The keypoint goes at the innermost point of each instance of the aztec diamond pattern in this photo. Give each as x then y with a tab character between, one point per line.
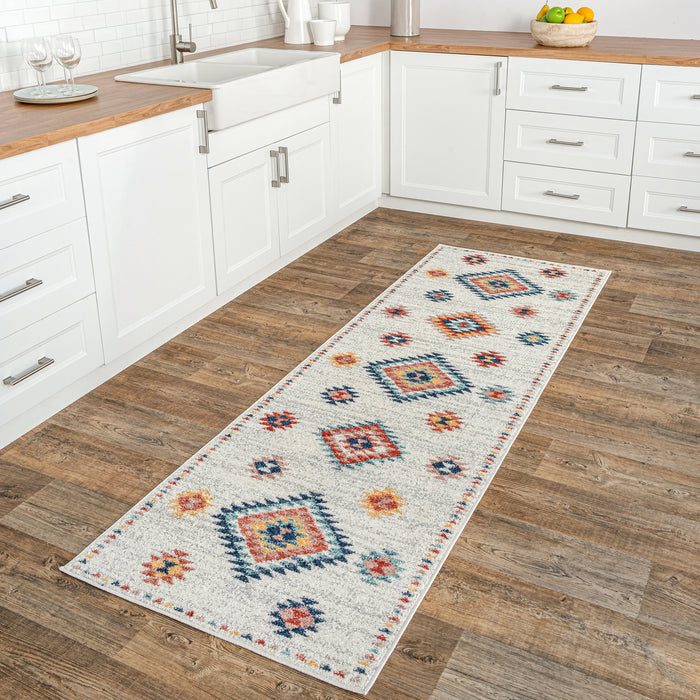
309	530
497	285
280	536
418	377
348	445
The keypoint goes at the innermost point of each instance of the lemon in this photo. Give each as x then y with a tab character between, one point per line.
542	12
568	11
573	18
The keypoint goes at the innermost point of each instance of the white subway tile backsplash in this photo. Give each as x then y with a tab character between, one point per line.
119	33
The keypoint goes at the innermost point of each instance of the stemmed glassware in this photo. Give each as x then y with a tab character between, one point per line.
66	50
37	53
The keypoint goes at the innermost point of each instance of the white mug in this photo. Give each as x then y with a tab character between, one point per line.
340	12
323	31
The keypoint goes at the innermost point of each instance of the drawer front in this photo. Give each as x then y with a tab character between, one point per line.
667	150
43	275
672	206
585	143
670	94
597	198
70	337
39	191
582	88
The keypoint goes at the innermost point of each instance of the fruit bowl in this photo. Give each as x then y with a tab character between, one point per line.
563	35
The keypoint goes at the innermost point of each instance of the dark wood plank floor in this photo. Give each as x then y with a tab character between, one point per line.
577	577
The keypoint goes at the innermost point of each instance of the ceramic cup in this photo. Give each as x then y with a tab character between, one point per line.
340	12
323	31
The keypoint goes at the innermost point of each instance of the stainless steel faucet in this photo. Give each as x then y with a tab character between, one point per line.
178	47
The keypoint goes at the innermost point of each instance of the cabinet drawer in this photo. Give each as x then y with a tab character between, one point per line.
43	275
667	150
40	190
670	94
597	198
582	88
70	337
586	143
672	206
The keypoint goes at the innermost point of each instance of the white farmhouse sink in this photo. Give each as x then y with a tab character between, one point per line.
250	83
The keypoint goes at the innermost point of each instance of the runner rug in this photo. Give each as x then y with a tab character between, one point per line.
310	529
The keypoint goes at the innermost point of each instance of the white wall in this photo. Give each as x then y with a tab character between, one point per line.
117	33
668	19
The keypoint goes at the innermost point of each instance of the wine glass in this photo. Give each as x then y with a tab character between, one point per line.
66	50
37	53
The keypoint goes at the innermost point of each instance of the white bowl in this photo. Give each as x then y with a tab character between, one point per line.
340	12
563	35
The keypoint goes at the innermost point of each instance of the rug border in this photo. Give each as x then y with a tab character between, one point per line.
577	318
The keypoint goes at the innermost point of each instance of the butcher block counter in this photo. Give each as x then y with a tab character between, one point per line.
26	127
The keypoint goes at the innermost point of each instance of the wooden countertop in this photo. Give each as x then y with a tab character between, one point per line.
28	127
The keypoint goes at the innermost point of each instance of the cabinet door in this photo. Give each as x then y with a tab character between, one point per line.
304	199
244	217
356	125
447	127
147	204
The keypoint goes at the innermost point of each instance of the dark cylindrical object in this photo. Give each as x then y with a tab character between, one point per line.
405	17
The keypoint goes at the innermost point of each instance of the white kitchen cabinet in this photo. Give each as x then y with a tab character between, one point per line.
670	94
268	202
671	206
147	204
356	136
304	194
447	120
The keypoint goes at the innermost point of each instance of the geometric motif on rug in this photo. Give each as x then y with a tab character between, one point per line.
494	285
463	325
280	536
348	445
294	617
418	377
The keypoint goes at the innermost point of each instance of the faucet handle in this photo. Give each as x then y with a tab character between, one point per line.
190	32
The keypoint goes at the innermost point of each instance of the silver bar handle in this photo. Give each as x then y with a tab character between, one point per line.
552	193
202	114
338	100
275	155
497	89
29	284
688	210
285	152
42	363
583	88
695	97
565	143
15	199
691	154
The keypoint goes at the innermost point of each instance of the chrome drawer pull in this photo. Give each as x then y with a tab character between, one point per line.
497	89
285	152
275	155
695	97
202	114
688	210
583	88
690	154
565	143
15	199
552	193
29	284
41	364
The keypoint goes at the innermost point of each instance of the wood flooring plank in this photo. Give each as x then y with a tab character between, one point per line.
31	585
671	600
604	645
65	515
485	668
17	484
675	309
673	356
648	533
634	483
577	568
